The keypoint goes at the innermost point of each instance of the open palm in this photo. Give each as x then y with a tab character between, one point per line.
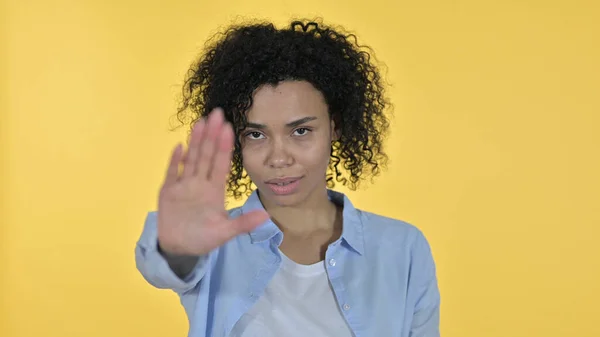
192	219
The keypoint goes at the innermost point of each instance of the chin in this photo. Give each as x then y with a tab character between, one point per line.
287	200
281	200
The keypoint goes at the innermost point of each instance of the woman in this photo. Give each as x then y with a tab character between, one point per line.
292	111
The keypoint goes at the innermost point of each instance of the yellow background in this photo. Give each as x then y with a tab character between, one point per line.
495	154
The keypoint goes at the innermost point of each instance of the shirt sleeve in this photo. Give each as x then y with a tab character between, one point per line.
155	268
426	318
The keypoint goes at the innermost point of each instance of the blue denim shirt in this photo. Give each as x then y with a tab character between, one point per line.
381	270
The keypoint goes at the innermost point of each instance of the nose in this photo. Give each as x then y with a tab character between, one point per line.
279	155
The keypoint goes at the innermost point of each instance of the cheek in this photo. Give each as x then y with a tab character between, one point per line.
251	160
317	154
309	152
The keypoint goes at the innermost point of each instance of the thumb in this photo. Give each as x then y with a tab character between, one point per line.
249	221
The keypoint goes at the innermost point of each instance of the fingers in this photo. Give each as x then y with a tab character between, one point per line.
173	169
222	157
208	145
205	141
191	157
249	221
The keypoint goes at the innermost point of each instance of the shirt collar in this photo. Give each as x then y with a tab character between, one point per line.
352	230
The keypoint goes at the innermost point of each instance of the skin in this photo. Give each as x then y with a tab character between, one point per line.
289	135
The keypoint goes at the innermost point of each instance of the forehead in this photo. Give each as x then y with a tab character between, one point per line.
286	101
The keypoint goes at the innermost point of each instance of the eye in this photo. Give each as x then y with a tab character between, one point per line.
301	131
254	135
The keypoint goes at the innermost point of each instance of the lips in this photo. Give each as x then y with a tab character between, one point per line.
284	186
282	181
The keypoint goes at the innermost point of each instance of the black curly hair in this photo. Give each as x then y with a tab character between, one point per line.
244	57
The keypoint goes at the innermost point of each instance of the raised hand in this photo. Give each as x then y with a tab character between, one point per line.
192	220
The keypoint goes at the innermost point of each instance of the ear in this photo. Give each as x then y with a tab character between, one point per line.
335	133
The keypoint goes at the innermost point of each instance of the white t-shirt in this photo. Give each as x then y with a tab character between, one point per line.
298	302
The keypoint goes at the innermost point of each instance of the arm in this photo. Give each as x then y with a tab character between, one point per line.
181	265
178	273
426	318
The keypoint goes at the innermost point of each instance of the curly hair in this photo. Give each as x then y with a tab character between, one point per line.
244	57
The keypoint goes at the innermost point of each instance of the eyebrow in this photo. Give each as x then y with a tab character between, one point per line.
289	125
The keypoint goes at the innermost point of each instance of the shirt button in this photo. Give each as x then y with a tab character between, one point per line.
346	306
332	262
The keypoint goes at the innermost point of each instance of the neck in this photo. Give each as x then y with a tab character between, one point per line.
316	213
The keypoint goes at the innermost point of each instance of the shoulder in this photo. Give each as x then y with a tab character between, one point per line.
382	225
389	233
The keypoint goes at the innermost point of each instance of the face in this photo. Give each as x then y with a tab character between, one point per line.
287	143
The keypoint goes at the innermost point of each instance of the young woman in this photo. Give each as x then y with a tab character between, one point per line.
292	111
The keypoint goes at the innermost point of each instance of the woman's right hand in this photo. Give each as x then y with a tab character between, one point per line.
192	220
